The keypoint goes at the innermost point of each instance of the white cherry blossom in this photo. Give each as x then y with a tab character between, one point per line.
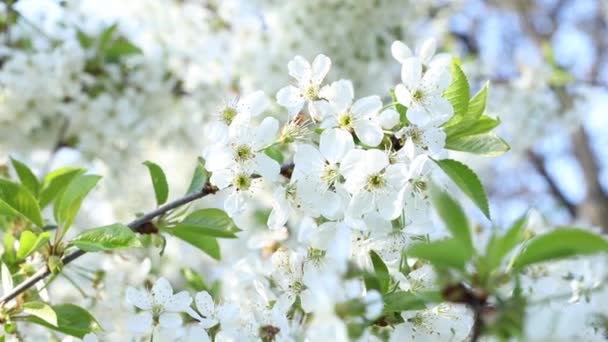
159	307
421	93
309	78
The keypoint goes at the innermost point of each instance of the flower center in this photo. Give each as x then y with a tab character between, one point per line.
330	174
345	120
418	95
310	93
243	153
227	115
375	181
241	182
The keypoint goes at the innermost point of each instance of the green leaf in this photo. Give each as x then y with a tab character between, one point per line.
107	238
55	182
199	178
26	176
30	243
480	125
450	253
467	181
119	48
498	247
454	218
84	40
194	279
558	244
71	320
205	243
488	144
68	204
106	37
477	104
207	222
400	301
275	153
457	93
42	311
381	271
17	199
159	182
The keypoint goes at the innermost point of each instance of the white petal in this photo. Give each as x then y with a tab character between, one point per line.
197	334
418	116
267	167
140	323
340	94
290	98
427	50
299	68
411	72
162	291
441	106
221	178
323	236
330	205
335	143
403	95
400	51
179	302
320	67
366	107
90	337
254	103
390	205
434	139
319	110
369	131
204	303
170	320
389	118
308	159
349	165
139	298
375	161
266	133
361	203
234	203
280	210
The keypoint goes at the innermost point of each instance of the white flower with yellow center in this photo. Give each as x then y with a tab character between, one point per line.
309	78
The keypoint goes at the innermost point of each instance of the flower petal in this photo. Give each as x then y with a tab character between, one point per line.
170	320
335	143
179	302
254	103
427	50
139	298
267	167
290	98
140	323
308	159
400	51
369	131
320	67
162	291
366	107
204	303
411	72
299	68
266	132
418	116
389	118
403	95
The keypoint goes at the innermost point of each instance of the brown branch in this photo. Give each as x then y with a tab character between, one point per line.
539	165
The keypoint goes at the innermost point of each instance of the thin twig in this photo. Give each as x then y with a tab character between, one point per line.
539	165
45	271
207	189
